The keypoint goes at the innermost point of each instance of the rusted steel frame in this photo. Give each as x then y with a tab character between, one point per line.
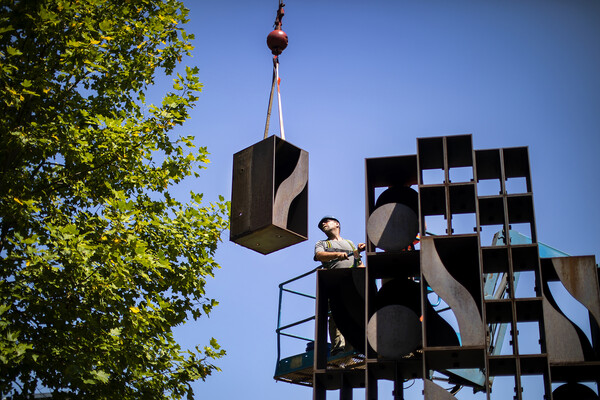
511	279
345	389
320	352
370	377
454	294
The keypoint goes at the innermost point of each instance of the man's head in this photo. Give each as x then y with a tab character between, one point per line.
328	222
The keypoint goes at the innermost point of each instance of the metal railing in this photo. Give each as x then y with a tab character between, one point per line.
281	329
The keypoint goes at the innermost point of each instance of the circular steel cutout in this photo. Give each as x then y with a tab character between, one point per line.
394	331
393	227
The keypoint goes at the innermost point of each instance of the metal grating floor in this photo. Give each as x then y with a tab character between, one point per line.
298	369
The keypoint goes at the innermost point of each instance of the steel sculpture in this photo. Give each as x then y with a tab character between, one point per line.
476	280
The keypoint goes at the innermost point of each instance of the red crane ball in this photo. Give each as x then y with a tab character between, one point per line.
277	41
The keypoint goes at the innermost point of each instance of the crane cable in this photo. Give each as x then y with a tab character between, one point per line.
276	80
277	41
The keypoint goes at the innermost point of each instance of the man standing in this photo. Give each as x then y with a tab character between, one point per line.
334	253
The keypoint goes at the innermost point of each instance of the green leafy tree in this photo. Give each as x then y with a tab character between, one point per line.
98	261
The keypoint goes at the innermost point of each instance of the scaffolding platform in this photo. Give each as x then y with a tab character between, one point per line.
298	369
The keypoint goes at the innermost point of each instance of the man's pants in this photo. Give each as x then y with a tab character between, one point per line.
338	342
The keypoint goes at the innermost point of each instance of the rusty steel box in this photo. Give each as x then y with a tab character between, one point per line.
269	200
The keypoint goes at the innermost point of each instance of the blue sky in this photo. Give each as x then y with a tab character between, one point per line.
364	79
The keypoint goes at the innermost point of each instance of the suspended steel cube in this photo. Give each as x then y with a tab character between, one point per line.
269	200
